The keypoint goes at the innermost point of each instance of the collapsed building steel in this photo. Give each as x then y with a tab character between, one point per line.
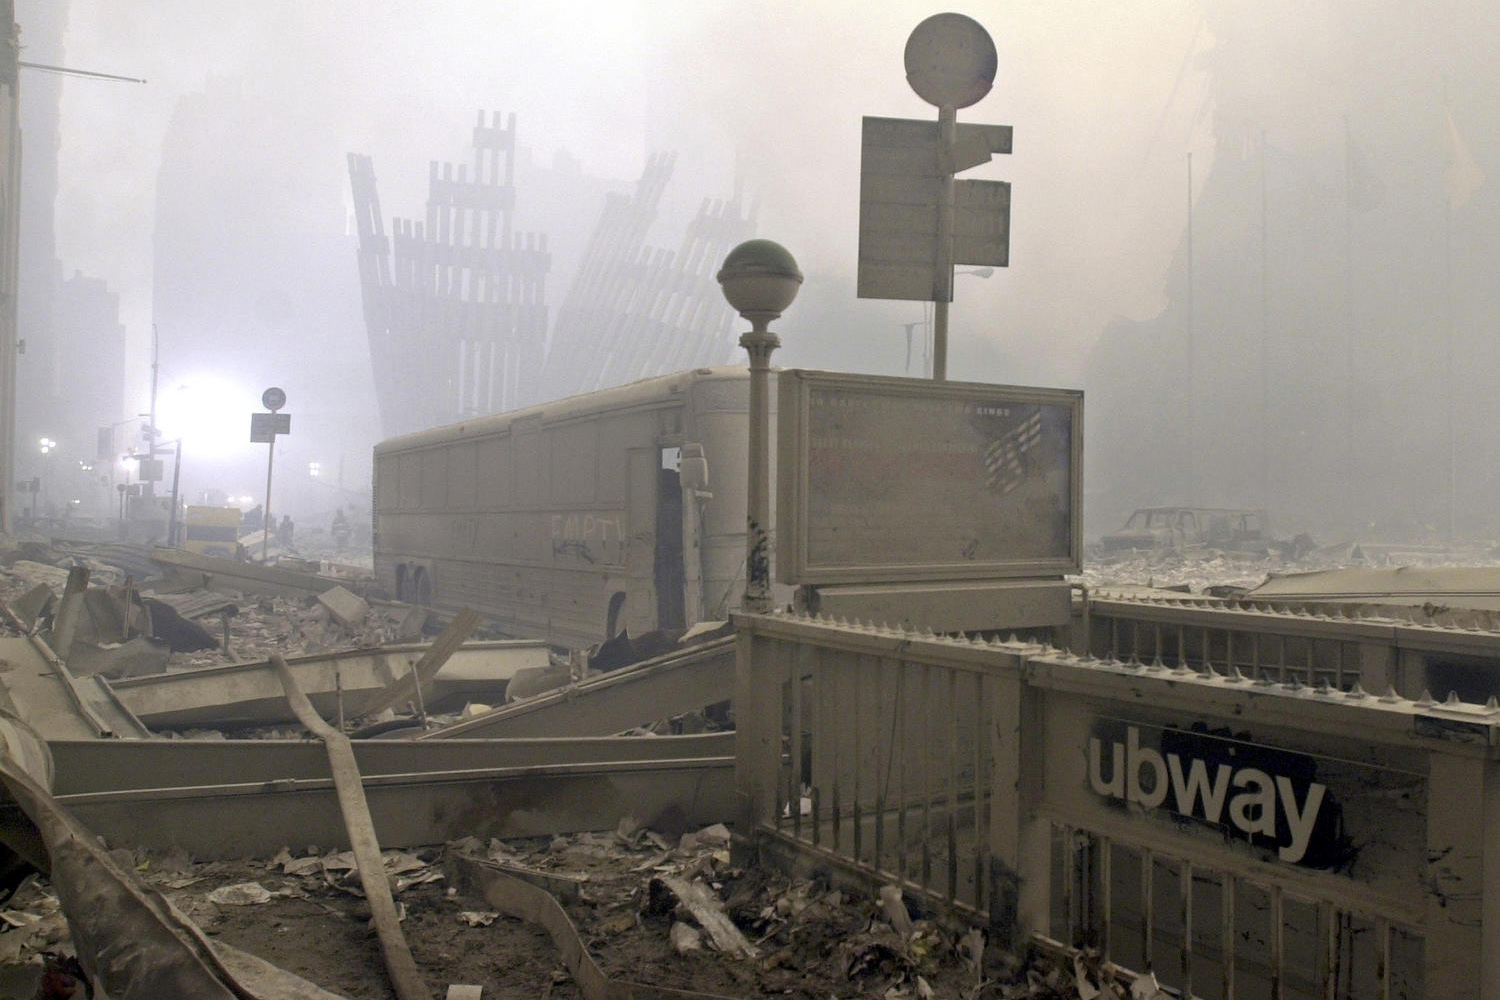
461	287
456	308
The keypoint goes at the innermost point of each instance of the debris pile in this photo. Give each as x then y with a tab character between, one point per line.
679	914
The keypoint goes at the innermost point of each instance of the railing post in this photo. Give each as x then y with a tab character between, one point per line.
1457	811
1020	872
757	715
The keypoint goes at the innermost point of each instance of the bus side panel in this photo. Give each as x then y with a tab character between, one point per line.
638	582
549	523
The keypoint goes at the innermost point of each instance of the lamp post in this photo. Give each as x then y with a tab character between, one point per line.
760	279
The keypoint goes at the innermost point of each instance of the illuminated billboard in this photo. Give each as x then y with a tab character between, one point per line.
893	480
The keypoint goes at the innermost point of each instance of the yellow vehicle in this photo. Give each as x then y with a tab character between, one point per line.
212	531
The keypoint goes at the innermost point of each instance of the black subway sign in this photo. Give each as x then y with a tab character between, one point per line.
1270	797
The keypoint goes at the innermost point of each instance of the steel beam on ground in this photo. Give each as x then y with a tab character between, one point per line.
247	694
655	689
267	796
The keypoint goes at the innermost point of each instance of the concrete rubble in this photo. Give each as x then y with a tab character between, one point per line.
592	914
810	938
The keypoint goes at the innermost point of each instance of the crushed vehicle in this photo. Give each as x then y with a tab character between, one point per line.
1232	529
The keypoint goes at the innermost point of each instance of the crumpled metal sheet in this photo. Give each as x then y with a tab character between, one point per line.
129	938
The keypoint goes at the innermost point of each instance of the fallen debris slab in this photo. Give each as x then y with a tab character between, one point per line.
128	938
679	682
32	605
672	891
523	901
411	685
56	704
351	790
247	694
222	799
349	610
206	571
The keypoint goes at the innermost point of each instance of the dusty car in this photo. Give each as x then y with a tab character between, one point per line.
1231	529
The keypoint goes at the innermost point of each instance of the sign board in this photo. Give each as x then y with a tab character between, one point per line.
151	470
889	480
1301	798
903	167
981	223
265	426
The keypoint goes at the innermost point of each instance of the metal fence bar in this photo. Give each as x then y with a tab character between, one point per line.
858	738
1278	972
794	789
954	759
1148	907
1383	958
926	776
835	676
1330	919
1106	893
883	739
1069	935
779	650
903	668
823	724
979	743
1227	938
1185	881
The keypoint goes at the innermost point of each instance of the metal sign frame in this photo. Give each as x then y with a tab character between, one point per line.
915	480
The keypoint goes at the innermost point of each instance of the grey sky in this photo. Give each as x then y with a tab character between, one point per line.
1104	99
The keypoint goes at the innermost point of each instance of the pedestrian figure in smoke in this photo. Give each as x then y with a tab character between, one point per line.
284	533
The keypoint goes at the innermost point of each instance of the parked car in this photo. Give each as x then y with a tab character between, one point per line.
1231	529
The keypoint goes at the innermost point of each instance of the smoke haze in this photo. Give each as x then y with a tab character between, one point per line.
250	108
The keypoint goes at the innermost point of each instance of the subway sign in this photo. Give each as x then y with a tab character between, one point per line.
1289	806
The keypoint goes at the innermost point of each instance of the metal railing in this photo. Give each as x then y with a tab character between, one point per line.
882	759
1216	935
887	764
955	767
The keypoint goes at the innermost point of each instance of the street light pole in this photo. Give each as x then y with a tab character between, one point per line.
760	279
172	539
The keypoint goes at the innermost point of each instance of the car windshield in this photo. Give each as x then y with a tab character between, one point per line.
1150	519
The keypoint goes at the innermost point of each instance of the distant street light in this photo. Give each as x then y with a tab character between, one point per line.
760	279
926	325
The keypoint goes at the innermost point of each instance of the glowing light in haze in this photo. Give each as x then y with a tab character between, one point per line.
209	413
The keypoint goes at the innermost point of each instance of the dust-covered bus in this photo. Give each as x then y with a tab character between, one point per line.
572	520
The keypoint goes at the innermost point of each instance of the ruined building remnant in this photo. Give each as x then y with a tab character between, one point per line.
455	305
633	311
